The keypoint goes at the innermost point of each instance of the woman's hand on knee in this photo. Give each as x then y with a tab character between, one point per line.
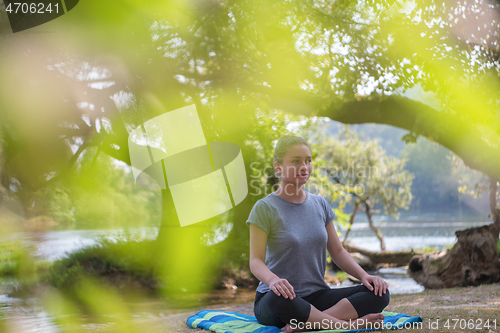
375	284
282	287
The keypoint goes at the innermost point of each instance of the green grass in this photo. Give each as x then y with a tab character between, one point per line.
131	259
127	261
16	262
10	255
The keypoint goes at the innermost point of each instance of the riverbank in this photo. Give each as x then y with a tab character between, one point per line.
127	264
456	306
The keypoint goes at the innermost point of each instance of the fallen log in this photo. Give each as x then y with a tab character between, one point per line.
400	258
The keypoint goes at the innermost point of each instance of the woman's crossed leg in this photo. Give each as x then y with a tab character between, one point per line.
353	307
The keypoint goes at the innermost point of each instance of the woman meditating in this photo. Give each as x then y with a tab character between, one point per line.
290	231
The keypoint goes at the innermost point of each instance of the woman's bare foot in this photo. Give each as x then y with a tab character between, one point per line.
288	328
371	320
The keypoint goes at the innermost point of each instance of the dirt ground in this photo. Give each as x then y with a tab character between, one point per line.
446	310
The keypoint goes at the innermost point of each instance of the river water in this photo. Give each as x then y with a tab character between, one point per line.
29	315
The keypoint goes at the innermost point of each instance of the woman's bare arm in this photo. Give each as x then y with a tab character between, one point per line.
258	242
346	262
340	256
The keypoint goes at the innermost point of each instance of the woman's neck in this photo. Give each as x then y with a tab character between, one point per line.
291	192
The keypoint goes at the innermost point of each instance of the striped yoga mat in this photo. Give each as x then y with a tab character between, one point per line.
233	322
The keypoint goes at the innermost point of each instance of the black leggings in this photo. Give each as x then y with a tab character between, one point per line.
271	309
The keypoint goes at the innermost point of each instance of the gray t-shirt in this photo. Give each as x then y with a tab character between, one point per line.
297	239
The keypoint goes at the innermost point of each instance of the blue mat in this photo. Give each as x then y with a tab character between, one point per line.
233	322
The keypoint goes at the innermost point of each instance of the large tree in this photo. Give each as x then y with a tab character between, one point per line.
343	60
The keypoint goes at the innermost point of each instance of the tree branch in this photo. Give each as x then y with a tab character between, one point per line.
446	129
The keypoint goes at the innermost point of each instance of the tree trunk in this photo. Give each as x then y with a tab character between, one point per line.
472	261
375	229
351	221
494	212
184	262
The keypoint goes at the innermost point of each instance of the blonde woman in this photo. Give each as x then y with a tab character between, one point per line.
290	231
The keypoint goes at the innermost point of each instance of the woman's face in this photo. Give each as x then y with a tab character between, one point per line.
296	167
